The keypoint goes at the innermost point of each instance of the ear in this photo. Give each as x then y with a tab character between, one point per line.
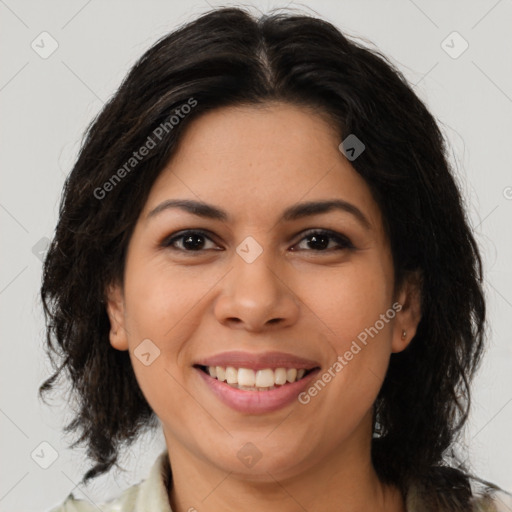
409	316
115	311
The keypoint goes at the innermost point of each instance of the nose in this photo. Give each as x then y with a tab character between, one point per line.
256	296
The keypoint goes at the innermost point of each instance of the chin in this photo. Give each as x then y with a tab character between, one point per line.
259	461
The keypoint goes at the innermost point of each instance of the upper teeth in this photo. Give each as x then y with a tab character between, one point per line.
260	378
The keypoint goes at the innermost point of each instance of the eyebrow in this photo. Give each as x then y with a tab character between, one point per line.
295	212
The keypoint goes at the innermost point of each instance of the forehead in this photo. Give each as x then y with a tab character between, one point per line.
261	159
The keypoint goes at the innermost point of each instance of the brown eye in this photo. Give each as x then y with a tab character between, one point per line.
319	240
188	241
197	241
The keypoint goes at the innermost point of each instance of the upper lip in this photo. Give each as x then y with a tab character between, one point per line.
258	361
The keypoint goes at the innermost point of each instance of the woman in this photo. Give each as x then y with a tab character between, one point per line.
262	249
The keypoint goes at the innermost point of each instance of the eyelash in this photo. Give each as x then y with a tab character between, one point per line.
343	242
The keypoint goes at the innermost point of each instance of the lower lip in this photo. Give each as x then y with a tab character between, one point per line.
257	402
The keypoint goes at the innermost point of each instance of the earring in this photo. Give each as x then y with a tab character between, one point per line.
404	335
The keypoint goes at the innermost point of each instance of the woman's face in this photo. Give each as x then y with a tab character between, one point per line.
246	283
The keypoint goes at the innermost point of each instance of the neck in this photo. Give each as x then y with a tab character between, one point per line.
345	481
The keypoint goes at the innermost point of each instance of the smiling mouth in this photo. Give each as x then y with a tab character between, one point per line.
255	380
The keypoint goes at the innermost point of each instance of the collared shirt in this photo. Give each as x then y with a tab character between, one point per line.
151	495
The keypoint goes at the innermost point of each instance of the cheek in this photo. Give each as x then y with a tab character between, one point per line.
356	331
161	299
161	306
350	299
165	305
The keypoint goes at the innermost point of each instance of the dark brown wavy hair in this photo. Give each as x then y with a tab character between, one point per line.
230	57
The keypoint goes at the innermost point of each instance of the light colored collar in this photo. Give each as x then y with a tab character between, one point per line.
152	494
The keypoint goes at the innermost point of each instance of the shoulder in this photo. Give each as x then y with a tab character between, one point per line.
123	503
488	497
150	494
450	490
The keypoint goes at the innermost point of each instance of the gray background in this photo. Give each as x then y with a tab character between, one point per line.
46	103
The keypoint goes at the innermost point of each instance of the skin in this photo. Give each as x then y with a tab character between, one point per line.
254	162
